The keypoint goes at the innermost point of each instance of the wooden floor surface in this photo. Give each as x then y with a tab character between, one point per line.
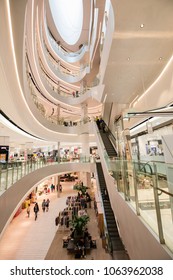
27	239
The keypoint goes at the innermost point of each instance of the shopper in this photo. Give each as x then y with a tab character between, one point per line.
28	210
52	187
44	205
47	204
88	199
81	248
36	210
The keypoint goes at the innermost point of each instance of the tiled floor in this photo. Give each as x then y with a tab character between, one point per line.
27	239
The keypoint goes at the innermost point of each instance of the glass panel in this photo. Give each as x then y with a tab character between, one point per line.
146	199
165	192
12	172
145	176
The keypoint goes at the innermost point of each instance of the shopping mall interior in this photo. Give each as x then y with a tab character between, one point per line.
86	124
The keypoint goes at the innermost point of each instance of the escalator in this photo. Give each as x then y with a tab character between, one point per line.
105	135
113	234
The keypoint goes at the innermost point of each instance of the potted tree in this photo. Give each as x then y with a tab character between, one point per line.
81	189
78	224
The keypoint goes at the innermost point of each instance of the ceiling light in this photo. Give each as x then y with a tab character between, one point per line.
160	58
128	58
142	25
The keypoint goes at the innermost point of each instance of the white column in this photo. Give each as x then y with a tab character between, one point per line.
28	147
58	151
84	137
84	112
58	113
22	149
85	153
85	177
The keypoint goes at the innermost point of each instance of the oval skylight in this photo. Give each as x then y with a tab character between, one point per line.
68	18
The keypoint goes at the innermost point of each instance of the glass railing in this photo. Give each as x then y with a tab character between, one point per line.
59	64
11	172
62	49
149	192
148	189
63	68
45	109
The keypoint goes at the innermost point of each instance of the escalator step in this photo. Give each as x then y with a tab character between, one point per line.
112	226
117	245
113	235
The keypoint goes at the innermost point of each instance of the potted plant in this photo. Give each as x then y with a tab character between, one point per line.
78	224
80	188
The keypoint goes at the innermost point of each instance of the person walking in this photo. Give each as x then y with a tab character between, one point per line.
47	205
52	187
44	205
36	210
28	210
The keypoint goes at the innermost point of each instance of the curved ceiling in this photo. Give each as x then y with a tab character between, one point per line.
142	46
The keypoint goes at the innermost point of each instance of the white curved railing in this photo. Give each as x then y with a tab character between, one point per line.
62	52
47	108
11	172
61	70
57	88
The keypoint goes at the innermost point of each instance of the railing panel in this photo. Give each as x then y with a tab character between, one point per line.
150	193
10	173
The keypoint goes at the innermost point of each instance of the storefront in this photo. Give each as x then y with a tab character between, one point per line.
4	152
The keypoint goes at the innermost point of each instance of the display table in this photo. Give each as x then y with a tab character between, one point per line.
72	247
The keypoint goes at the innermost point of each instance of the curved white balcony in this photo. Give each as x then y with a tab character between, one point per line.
62	71
65	55
56	91
59	91
41	108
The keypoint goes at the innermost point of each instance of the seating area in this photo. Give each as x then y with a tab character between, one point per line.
80	247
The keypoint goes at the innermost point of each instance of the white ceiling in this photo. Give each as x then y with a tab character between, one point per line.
17	139
138	55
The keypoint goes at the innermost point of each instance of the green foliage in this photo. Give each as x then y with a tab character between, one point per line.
79	223
80	188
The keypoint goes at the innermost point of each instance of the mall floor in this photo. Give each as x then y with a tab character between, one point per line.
27	239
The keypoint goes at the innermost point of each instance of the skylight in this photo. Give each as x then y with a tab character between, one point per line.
68	18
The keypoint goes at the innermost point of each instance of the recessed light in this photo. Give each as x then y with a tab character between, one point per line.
128	58
160	58
142	25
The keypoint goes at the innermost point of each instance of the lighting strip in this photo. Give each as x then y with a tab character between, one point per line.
15	63
17	74
11	125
